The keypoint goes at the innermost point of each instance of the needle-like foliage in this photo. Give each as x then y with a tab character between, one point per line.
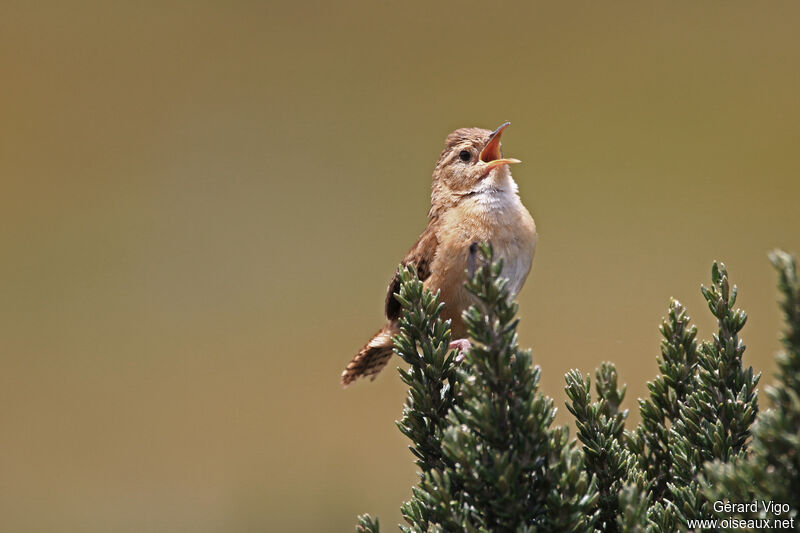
770	472
481	431
423	343
714	420
513	471
492	461
678	366
600	429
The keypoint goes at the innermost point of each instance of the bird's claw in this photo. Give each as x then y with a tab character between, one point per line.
463	346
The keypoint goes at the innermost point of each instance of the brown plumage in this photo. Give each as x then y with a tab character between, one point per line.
473	199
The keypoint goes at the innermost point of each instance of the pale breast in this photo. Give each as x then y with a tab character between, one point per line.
515	241
517	262
498	218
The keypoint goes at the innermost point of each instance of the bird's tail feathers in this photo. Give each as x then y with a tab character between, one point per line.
371	358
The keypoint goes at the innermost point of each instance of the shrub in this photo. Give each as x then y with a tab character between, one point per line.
491	459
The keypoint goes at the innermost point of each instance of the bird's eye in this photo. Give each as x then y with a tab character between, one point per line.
464	155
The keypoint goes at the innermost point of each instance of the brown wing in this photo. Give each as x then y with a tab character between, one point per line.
421	254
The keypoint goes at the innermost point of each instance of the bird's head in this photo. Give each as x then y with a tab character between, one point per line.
471	163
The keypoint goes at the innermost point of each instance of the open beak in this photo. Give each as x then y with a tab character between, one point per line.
491	152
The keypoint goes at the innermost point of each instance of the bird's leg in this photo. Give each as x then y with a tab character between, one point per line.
463	346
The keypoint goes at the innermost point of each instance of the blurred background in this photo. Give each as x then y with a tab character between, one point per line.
201	205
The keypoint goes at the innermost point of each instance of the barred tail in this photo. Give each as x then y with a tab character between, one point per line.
371	358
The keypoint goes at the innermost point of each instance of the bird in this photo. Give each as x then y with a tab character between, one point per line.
474	200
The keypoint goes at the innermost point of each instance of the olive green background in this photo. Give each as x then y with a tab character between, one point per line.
201	205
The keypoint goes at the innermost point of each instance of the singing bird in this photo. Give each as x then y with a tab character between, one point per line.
474	199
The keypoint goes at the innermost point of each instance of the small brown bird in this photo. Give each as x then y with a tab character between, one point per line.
473	200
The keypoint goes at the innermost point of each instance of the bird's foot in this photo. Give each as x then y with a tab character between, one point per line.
463	346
